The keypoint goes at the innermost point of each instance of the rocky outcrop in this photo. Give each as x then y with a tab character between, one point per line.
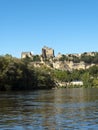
61	65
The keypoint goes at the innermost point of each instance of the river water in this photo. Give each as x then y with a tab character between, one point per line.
60	109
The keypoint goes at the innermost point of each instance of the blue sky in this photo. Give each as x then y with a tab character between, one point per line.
67	26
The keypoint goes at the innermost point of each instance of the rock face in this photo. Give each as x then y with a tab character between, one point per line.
61	65
77	66
71	65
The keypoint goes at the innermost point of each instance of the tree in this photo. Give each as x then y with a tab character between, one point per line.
36	58
87	80
61	75
75	75
44	79
87	58
63	58
93	71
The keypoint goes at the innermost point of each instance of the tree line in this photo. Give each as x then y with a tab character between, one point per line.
17	74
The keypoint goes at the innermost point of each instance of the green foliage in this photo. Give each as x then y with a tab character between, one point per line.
16	74
75	75
95	82
94	71
36	58
87	80
87	59
44	80
95	59
63	58
27	59
76	59
63	76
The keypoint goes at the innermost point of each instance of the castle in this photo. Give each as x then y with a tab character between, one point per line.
46	53
48	58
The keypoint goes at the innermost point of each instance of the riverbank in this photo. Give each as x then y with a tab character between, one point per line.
20	74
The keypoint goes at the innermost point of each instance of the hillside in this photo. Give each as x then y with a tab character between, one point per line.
36	72
64	62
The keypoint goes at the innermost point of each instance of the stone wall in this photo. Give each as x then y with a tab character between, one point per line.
26	54
47	52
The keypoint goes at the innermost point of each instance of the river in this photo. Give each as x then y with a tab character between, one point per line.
60	109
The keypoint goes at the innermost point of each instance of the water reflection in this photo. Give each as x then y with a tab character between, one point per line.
54	109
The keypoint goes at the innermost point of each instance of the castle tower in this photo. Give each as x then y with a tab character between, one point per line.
47	52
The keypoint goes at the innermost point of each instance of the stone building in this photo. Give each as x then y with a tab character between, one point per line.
47	52
26	54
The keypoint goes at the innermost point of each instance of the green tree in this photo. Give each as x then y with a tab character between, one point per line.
44	79
87	58
36	58
87	80
61	75
93	71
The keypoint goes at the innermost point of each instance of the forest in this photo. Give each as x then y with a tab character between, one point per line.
19	74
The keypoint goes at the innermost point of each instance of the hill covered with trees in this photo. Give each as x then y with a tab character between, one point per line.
20	74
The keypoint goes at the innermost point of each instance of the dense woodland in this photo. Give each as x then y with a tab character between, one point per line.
20	74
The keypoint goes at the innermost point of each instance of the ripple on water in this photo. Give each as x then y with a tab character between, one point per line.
63	109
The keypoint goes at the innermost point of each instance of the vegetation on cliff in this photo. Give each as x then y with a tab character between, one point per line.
85	57
20	74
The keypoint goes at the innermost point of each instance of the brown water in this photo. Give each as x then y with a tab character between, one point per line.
61	109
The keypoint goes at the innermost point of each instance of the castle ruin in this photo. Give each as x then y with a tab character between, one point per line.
47	52
26	54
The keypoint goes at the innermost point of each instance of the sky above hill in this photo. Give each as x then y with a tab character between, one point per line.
67	26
